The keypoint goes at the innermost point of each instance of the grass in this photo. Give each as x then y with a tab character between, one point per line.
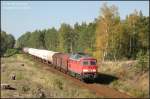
32	81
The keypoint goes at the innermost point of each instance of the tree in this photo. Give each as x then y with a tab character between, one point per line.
10	41
143	33
107	21
7	42
36	40
3	42
82	30
132	21
32	39
51	39
85	41
67	38
23	41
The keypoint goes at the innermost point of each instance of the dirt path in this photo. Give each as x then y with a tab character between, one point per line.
99	89
107	92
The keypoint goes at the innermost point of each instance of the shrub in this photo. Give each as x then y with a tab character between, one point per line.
140	93
25	88
10	52
58	84
143	61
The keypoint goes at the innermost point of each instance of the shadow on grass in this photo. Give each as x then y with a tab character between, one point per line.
11	88
6	56
105	78
12	54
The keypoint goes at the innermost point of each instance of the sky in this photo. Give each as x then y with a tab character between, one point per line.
18	17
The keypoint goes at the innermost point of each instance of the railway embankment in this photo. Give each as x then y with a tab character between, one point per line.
130	79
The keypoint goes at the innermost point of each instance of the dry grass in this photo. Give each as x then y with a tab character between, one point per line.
34	82
132	82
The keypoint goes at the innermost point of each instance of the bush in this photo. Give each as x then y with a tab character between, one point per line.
58	84
10	52
25	88
143	61
140	93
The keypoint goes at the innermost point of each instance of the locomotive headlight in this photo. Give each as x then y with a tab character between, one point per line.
85	70
94	70
91	70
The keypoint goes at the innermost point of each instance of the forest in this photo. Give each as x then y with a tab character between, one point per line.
108	37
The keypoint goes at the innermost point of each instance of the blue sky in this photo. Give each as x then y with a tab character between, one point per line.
17	17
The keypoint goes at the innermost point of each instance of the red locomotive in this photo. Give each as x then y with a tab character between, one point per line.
79	65
83	66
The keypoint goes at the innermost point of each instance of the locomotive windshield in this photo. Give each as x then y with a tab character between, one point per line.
85	63
88	63
92	62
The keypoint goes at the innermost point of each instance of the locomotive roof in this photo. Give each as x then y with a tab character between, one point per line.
78	56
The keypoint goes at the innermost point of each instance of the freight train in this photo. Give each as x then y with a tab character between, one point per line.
78	65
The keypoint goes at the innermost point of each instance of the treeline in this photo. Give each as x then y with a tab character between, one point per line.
108	37
7	42
68	39
118	38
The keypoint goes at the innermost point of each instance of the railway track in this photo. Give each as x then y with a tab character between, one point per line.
99	89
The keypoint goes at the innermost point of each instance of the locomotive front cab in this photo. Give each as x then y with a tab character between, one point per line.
84	65
89	68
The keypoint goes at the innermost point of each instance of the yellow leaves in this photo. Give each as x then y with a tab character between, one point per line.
104	27
133	19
